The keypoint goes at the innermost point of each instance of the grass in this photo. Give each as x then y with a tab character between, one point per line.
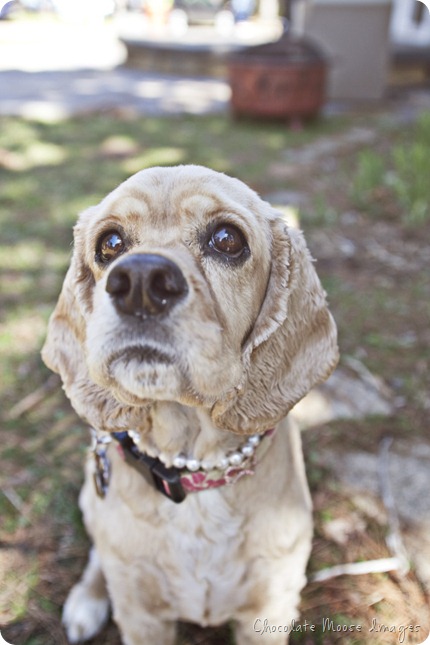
48	173
402	173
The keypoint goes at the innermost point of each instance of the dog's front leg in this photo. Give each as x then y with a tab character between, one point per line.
272	623
148	630
87	605
138	626
272	609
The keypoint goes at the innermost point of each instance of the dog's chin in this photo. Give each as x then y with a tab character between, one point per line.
140	381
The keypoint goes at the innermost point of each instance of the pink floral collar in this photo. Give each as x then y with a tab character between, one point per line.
194	482
173	483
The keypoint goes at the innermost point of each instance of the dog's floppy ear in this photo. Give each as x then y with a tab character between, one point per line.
293	345
63	348
63	351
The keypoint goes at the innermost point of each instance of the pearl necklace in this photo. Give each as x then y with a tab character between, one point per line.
234	458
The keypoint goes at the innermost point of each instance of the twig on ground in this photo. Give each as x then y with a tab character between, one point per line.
382	565
393	539
18	504
35	398
14	499
399	562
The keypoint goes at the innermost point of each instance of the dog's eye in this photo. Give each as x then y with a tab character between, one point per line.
109	246
228	240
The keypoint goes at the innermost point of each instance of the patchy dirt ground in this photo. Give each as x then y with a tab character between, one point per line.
375	267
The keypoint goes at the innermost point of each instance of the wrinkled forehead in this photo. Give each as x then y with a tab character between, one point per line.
171	197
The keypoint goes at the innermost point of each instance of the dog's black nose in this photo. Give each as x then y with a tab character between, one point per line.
145	285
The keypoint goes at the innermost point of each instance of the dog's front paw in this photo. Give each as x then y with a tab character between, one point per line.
84	614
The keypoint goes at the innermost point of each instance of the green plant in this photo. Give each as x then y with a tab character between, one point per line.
322	213
369	176
410	178
397	176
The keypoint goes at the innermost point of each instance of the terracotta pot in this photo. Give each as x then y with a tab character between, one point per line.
282	80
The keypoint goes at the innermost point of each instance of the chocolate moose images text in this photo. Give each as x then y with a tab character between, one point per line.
262	626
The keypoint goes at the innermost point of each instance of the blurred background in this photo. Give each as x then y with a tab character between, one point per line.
322	107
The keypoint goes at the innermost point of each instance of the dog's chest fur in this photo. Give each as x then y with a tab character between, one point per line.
211	569
188	560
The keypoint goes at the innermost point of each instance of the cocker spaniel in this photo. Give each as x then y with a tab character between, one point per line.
190	322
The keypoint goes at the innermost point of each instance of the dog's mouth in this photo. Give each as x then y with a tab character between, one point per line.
144	372
142	354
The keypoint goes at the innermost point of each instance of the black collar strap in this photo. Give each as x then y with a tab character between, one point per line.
166	480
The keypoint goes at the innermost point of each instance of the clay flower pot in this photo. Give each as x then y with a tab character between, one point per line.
281	80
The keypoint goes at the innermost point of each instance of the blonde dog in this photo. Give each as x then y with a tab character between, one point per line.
190	322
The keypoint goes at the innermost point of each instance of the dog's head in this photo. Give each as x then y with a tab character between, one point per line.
185	286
